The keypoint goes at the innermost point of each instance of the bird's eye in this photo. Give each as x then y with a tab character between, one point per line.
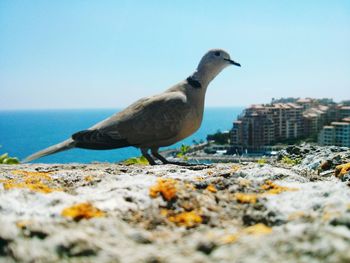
217	53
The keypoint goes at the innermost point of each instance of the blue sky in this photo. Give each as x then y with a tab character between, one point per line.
107	54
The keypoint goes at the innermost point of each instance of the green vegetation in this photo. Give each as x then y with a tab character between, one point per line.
136	160
183	150
290	161
6	159
143	161
219	137
262	161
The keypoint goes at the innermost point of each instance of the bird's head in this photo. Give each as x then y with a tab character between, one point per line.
214	61
217	58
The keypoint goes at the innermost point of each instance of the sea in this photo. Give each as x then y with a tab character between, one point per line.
23	132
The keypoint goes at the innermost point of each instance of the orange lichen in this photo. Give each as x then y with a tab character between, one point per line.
272	188
165	187
36	187
34	181
211	188
82	211
187	219
342	169
258	229
246	198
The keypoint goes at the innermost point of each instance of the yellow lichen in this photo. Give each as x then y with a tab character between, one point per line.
255	230
328	215
272	188
269	187
187	219
82	211
31	174
165	187
23	223
342	169
88	178
190	186
228	239
235	168
244	182
296	215
246	198
211	188
36	187
163	212
34	181
258	229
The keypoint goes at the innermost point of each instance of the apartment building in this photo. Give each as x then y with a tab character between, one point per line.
344	112
261	125
315	118
347	119
286	119
253	130
327	135
338	133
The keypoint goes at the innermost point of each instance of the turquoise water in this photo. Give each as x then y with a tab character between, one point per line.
25	132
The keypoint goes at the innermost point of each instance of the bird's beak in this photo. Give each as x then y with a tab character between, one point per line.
232	62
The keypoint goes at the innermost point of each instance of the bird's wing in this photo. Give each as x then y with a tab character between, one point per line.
148	120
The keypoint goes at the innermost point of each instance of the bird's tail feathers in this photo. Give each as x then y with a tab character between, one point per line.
65	145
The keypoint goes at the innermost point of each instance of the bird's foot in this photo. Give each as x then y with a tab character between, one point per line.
191	166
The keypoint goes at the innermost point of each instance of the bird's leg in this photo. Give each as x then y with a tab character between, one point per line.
145	154
156	154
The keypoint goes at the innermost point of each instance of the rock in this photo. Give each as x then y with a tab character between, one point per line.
78	248
140	238
314	158
4	244
206	247
300	211
346	177
326	165
341	222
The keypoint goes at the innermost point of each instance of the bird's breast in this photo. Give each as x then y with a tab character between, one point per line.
191	123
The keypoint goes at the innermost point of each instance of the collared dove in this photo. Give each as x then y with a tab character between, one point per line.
153	122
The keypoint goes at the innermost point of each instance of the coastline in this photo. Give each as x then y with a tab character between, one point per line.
22	134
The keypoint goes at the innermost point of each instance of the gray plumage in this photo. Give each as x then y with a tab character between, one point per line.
152	122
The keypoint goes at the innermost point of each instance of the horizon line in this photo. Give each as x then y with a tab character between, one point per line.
107	108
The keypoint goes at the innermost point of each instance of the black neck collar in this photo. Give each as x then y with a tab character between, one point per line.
194	83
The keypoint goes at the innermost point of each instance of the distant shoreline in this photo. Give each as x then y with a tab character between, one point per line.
108	108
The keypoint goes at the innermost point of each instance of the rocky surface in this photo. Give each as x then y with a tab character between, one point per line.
296	209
